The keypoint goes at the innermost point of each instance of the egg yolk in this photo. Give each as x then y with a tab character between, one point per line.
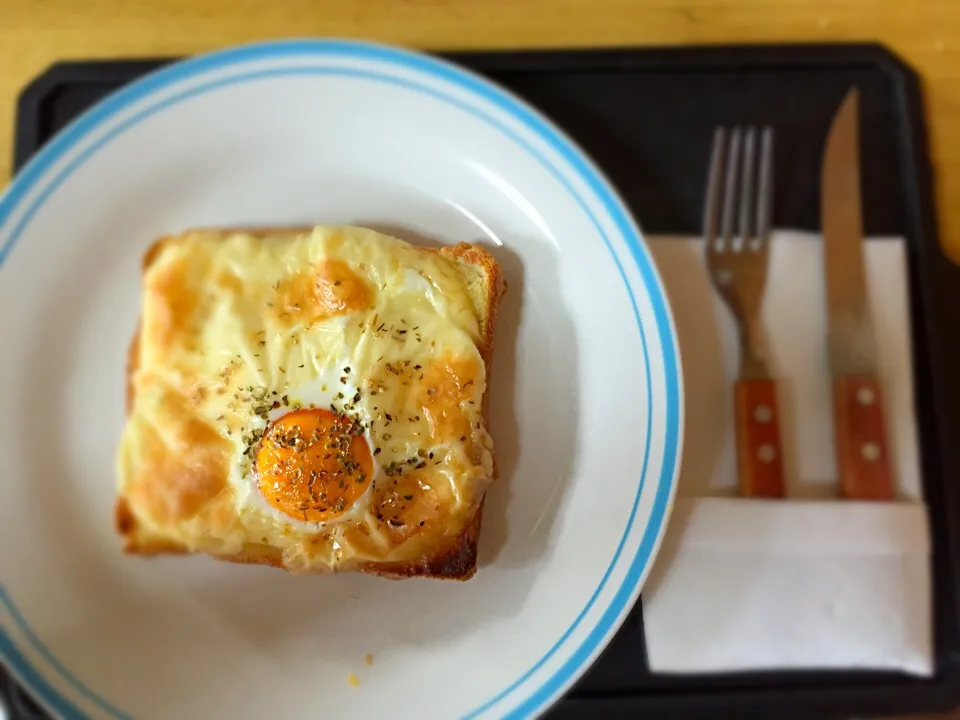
313	464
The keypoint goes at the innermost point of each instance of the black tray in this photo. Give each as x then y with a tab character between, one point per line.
646	116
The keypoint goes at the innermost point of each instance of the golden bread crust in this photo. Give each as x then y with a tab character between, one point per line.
458	558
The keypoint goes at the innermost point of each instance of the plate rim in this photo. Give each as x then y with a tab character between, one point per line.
542	695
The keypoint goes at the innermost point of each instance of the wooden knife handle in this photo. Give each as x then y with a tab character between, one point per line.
759	452
863	462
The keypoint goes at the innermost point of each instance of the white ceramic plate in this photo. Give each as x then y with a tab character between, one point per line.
586	409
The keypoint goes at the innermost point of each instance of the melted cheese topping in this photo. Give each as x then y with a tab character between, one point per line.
318	394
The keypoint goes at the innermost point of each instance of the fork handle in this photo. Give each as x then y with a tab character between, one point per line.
863	462
759	452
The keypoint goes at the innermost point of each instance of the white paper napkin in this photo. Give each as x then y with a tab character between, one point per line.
812	582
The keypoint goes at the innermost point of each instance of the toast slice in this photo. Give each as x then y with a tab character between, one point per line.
454	559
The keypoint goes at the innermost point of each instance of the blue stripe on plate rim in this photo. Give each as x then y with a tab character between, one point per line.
625	596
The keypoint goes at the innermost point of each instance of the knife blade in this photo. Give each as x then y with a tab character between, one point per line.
863	462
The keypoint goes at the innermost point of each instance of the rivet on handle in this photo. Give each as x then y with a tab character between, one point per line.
759	458
863	461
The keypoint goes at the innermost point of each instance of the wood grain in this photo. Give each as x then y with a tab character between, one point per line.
36	33
863	462
759	450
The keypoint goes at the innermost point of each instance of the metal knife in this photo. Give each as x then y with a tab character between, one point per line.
863	461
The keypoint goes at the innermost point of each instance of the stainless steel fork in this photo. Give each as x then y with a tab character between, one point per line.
736	227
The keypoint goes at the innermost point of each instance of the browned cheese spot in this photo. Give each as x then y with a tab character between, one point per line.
447	385
181	471
331	289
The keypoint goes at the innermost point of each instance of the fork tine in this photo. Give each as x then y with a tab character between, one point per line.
747	200
730	186
711	209
765	195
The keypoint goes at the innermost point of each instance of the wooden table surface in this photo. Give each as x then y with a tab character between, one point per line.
35	33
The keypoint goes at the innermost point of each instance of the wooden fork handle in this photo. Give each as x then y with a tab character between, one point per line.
759	451
863	462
